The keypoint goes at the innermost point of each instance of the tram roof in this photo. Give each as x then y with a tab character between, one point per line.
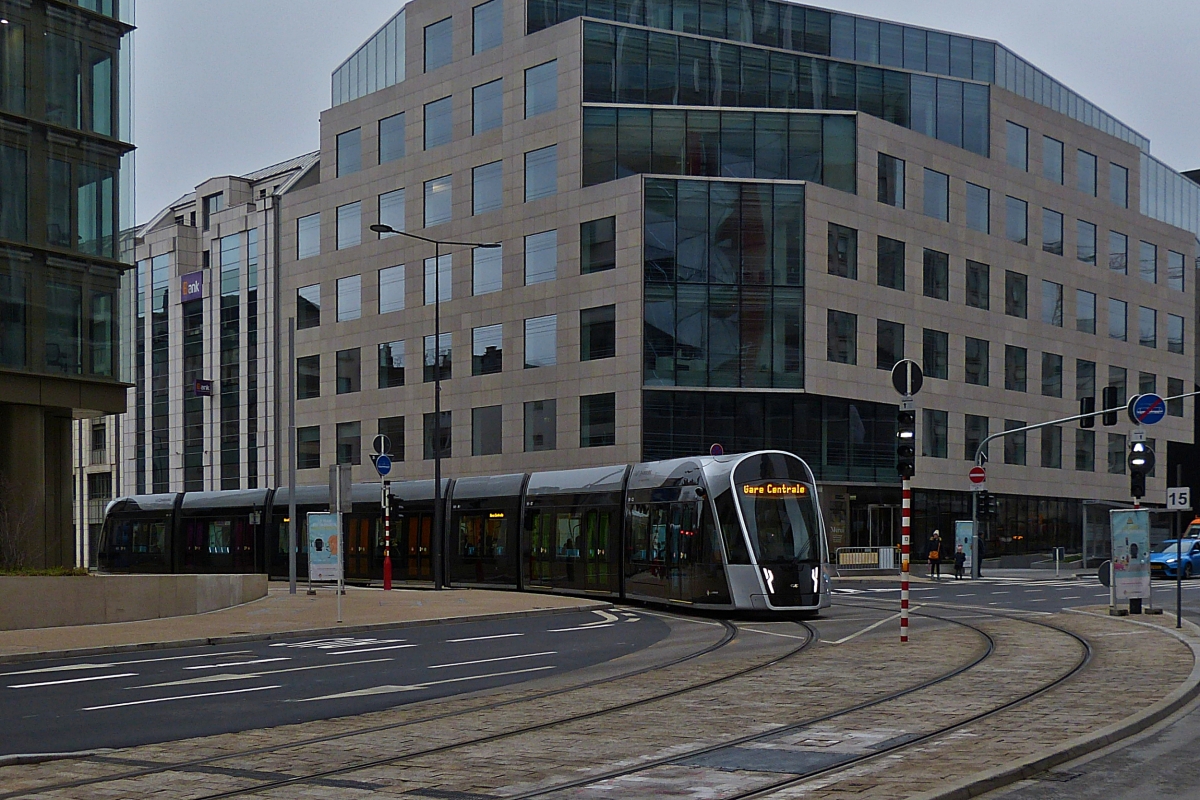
592	479
489	486
144	502
240	498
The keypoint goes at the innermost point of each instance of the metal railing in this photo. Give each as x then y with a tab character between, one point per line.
852	558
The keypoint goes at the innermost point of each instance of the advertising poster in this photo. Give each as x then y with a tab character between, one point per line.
322	546
964	537
1130	553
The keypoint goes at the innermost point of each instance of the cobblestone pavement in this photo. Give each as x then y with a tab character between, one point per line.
686	729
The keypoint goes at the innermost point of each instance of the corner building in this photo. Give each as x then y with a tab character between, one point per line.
723	223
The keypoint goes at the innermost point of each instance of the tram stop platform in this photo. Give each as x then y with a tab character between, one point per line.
282	614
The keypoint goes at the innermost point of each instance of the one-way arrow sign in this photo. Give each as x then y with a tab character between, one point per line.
907	377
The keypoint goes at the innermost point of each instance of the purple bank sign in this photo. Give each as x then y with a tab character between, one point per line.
191	287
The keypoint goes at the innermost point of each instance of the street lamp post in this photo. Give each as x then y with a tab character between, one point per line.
436	539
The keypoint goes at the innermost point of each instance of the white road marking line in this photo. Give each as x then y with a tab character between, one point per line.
964	595
73	680
95	665
489	660
1038	600
604	615
870	627
1001	592
393	689
181	697
681	619
482	638
772	633
368	650
590	627
239	676
239	663
1071	597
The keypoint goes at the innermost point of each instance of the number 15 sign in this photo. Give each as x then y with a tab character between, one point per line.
1179	498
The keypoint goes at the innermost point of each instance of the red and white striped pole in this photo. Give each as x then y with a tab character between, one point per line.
905	542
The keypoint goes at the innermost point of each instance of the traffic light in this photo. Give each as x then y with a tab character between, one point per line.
1087	405
1141	463
906	438
981	503
993	509
1110	405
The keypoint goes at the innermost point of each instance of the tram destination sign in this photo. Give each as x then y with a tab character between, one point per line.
775	489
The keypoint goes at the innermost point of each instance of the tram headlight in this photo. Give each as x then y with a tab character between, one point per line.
816	578
770	576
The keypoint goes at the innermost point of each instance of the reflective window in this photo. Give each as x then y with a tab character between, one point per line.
391	289
1116	454
58	197
1052	447
541	173
487	427
891	181
1016	294
1016	152
937	195
1085	172
1147	383
308	377
976	362
391	211
975	430
308	447
1117	319
889	344
1052	375
349	443
349	225
12	67
597	333
541	257
438	356
393	428
1052	303
1016	220
979	208
439	122
308	236
1085	311
438	435
391	138
1118	252
936	271
391	365
349	371
1148	262
1174	389
1085	378
349	298
1147	327
934	435
487	188
1052	159
1085	241
1118	185
308	306
979	286
1175	270
487	270
843	337
890	263
1174	333
437	201
1085	450
439	50
349	152
598	420
488	26
487	350
438	284
1052	232
376	64
843	251
1015	368
1015	444
598	245
1117	379
541	89
63	80
541	341
14	311
540	425
487	106
935	347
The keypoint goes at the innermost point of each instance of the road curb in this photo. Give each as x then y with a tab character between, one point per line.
203	641
987	781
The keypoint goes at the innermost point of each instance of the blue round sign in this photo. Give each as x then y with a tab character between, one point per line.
716	450
1148	409
383	465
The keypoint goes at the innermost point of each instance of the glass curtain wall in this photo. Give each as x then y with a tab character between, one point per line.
230	340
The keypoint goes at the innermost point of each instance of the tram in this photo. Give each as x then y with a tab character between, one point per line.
740	531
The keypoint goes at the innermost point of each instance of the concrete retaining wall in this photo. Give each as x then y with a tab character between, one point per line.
47	602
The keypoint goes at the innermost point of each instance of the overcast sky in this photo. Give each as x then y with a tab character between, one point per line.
229	86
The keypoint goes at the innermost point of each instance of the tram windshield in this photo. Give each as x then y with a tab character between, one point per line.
781	520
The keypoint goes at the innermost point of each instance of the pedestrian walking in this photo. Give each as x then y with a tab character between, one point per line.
960	561
935	556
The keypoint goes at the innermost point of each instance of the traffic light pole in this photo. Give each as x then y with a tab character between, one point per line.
905	544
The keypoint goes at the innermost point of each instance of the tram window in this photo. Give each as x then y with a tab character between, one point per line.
731	529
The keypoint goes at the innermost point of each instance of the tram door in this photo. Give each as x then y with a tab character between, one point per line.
358	548
414	545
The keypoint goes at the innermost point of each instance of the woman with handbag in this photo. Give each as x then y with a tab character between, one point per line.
935	556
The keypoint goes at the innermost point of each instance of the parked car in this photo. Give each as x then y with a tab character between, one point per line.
1163	561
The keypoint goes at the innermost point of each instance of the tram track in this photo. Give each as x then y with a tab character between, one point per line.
728	636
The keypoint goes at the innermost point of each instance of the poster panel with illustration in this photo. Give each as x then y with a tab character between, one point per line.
322	546
1130	553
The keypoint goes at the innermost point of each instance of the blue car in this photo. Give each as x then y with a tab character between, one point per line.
1164	564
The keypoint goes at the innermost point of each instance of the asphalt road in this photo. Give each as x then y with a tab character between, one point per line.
76	704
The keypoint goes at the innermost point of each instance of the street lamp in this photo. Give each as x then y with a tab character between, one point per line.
436	539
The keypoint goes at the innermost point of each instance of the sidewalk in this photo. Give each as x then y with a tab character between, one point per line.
281	614
921	572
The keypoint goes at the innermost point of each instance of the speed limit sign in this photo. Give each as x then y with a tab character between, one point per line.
1179	498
